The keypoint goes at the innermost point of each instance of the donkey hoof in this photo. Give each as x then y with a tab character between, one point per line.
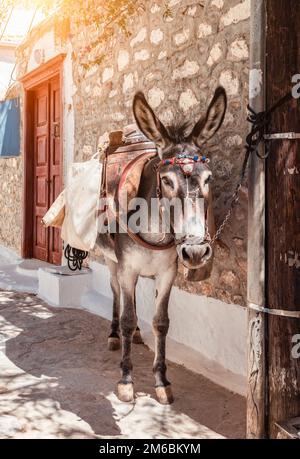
164	395
137	337
125	392
113	343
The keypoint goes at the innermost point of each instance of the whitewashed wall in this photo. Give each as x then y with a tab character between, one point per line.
206	334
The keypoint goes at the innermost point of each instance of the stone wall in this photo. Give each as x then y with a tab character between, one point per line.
177	61
11	180
11	203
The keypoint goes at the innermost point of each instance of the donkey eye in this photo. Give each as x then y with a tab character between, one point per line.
166	181
208	180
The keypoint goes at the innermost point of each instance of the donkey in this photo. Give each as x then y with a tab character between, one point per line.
176	171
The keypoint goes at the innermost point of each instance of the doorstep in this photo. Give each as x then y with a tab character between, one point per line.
20	275
30	267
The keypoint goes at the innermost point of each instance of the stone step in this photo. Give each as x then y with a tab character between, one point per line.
11	279
30	267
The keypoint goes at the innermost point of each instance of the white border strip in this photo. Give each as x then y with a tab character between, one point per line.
275	312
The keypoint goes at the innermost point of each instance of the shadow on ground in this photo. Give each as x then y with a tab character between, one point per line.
58	380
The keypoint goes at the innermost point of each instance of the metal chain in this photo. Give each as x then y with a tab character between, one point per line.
235	198
259	122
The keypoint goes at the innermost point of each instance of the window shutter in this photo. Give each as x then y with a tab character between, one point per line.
10	127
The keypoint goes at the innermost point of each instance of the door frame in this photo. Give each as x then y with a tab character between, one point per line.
52	68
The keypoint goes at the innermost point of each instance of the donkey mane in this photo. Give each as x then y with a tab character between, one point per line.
179	131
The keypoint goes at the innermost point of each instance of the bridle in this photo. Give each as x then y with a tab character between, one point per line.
185	161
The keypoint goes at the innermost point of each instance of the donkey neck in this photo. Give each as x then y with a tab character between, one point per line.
147	191
147	188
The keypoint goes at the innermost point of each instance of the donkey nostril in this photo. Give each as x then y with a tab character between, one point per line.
207	251
184	254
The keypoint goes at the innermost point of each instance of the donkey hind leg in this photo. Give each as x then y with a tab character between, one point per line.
160	328
137	337
113	342
128	327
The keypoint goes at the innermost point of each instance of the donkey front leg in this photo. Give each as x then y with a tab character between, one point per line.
128	326
137	337
160	327
113	342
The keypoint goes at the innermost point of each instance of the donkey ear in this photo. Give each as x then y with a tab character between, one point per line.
148	123
206	127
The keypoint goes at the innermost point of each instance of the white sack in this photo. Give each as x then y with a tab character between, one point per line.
79	228
56	214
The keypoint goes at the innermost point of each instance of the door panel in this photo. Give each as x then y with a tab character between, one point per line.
47	168
55	166
41	174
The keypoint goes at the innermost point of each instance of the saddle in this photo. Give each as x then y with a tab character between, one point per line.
116	175
123	163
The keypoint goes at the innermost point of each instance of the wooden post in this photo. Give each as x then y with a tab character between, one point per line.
256	415
283	215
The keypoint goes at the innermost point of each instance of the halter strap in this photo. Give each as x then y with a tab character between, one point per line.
185	161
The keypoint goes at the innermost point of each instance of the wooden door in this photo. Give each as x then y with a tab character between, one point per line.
46	167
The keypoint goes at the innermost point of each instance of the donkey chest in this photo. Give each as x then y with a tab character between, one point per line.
151	263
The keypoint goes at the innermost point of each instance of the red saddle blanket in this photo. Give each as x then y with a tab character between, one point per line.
123	166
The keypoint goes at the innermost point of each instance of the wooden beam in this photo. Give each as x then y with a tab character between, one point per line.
256	414
283	214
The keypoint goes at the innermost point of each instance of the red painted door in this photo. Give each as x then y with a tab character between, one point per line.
47	168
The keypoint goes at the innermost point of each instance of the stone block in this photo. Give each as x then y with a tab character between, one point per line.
62	287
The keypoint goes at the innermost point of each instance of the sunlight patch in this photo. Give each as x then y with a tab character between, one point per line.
145	414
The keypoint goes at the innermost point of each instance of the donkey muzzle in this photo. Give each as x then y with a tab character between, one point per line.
194	253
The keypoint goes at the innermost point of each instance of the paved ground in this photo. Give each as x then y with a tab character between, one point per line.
57	380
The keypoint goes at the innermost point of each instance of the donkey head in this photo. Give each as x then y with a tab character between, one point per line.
183	173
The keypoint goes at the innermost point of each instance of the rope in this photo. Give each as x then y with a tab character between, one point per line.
259	122
75	257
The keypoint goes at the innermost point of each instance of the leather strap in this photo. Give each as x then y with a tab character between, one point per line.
134	236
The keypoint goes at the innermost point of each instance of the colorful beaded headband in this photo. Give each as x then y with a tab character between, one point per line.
185	162
174	160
